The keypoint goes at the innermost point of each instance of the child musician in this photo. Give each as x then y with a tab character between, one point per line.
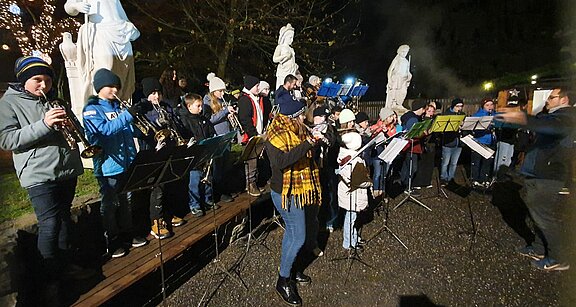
352	188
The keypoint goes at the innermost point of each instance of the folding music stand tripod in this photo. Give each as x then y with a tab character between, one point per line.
443	124
151	169
415	132
388	155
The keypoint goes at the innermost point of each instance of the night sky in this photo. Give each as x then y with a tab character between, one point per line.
455	44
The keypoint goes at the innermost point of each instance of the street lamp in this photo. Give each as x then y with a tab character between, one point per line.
488	85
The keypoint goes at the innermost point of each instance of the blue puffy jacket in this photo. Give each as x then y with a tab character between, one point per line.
110	127
485	137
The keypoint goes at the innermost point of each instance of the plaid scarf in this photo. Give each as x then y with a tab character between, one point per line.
302	179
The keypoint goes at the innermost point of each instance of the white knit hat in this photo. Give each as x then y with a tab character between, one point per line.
263	85
346	116
385	113
215	83
352	140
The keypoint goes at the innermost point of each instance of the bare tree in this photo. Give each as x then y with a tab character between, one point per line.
232	37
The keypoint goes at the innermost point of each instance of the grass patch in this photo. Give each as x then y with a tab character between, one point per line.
14	200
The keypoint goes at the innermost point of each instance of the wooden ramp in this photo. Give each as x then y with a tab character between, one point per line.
120	273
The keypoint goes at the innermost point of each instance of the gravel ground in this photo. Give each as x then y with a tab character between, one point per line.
462	253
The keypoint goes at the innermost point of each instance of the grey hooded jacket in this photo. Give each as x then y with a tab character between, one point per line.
40	153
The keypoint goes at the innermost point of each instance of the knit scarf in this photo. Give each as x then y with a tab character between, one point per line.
302	180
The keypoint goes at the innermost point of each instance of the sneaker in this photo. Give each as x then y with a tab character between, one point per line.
176	221
317	252
444	182
196	212
528	251
564	191
160	231
376	193
414	193
476	184
361	241
548	264
358	248
75	272
119	252
226	198
417	188
139	242
211	206
253	190
330	229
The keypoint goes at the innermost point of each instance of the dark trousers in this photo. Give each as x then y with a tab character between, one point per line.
480	168
550	212
52	202
409	168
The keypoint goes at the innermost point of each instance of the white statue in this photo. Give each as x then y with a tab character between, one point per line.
103	42
399	77
284	55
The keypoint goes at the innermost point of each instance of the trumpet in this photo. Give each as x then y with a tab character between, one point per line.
143	123
71	129
235	123
172	129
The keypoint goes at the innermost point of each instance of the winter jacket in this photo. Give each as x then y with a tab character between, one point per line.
218	119
111	128
356	200
551	155
486	136
197	125
40	154
408	120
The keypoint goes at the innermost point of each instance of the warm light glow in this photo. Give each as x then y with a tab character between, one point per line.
42	36
488	85
534	77
5	47
533	82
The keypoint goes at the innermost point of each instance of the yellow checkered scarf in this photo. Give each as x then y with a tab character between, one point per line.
301	180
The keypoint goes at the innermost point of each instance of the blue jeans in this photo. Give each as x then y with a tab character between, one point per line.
350	232
114	207
198	192
51	202
450	157
549	212
380	172
301	231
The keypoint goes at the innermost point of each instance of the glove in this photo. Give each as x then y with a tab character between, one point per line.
140	108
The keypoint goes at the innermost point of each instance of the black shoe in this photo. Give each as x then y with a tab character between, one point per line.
287	290
361	241
226	198
302	278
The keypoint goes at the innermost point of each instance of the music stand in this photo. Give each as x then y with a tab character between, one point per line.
396	144
443	124
415	132
150	169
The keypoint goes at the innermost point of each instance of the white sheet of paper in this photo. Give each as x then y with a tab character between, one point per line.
539	100
392	150
482	149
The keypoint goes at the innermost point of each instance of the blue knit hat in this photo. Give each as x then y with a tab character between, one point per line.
292	108
104	77
29	66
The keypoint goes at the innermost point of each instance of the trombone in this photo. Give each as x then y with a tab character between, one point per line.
71	129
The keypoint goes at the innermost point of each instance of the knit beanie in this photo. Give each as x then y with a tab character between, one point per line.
263	85
346	116
104	77
250	81
361	116
215	83
352	140
456	101
150	85
291	108
321	111
418	104
385	113
29	66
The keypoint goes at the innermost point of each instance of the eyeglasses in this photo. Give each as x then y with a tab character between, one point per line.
553	96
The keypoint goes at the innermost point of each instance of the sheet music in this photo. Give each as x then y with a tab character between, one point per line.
477	123
482	149
380	137
392	150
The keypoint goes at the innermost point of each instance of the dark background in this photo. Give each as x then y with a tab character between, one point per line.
456	45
